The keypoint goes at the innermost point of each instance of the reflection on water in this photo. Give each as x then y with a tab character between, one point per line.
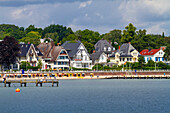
88	96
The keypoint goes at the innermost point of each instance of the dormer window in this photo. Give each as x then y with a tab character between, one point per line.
109	48
104	48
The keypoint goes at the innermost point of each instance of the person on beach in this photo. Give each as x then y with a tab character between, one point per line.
4	77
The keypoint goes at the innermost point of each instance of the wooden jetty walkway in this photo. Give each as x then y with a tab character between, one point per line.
24	82
139	77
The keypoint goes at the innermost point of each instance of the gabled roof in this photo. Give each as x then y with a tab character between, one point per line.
50	50
99	46
149	52
95	56
71	48
45	48
125	50
55	52
24	48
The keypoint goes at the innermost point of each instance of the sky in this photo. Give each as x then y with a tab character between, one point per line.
97	15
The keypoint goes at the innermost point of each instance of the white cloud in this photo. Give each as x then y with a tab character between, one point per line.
84	4
156	28
158	6
99	15
21	13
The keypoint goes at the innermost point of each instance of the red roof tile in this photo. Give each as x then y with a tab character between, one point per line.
147	52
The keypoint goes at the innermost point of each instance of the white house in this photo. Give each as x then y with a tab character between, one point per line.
104	46
98	58
153	54
125	53
78	54
29	53
54	57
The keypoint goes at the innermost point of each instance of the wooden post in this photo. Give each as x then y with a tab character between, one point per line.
52	83
9	84
4	83
25	83
41	84
21	83
36	83
57	83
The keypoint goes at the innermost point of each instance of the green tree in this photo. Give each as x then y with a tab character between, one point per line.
167	53
61	30
70	37
53	36
33	28
129	34
162	65
114	36
151	63
32	37
141	61
40	64
25	65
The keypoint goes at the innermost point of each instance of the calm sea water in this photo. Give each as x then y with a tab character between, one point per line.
89	96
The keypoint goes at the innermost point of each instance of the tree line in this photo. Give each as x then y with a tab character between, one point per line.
59	33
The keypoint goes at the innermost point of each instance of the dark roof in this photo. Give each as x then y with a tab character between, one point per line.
95	56
45	48
125	50
99	46
24	50
39	52
71	48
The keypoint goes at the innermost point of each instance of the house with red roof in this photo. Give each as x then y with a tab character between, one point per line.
153	54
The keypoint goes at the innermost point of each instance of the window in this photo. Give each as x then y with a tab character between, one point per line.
162	59
78	65
37	58
109	48
123	59
104	48
127	59
85	57
156	59
130	59
55	62
30	58
134	54
15	66
102	57
120	59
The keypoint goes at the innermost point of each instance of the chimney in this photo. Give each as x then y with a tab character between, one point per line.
110	42
58	44
94	51
149	49
28	42
119	47
129	42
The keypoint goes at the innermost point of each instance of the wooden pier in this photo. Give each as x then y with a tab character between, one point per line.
24	82
139	77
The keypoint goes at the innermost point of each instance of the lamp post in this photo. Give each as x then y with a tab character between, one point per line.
155	66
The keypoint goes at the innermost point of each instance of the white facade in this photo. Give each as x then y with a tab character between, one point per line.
81	59
61	62
156	57
121	60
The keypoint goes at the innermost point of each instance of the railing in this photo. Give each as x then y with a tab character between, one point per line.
74	71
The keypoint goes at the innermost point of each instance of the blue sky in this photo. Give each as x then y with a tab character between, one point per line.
97	15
